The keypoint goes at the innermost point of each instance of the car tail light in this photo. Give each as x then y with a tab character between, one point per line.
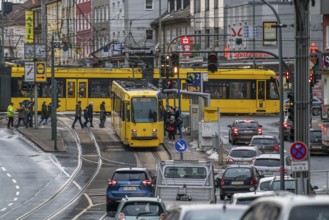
163	216
111	182
285	170
236	131
155	133
147	182
260	131
229	159
285	125
276	147
222	182
253	181
133	134
122	216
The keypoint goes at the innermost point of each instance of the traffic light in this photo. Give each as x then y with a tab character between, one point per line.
163	65
288	77
170	84
58	101
174	58
212	62
291	106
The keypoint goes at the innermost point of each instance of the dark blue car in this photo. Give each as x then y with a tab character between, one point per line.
131	182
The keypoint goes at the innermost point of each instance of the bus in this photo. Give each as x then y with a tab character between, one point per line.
234	91
74	84
137	113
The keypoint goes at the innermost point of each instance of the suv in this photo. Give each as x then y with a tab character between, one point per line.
241	131
144	207
132	182
238	178
316	145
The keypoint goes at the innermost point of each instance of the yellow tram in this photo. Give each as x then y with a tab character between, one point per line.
244	91
74	84
137	113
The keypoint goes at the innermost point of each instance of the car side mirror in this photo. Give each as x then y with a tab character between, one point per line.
260	126
217	182
229	126
315	187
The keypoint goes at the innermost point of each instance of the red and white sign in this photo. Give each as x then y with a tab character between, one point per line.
236	32
185	40
298	150
187	48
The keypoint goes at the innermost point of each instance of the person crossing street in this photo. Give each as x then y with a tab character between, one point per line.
10	115
78	112
21	115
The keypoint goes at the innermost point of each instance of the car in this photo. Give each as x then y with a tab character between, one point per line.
131	182
248	197
288	134
269	164
289	184
242	155
266	143
289	207
238	178
316	145
241	131
206	211
144	207
264	184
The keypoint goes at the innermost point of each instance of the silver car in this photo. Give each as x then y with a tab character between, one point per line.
269	164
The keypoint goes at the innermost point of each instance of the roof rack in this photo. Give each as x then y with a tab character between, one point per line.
136	84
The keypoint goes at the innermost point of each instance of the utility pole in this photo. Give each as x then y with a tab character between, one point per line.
2	57
301	89
44	23
160	46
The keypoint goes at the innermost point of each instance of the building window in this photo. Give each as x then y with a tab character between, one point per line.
149	4
179	5
216	4
197	6
207	31
207	5
186	3
327	37
172	5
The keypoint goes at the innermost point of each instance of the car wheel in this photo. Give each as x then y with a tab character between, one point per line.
222	196
316	111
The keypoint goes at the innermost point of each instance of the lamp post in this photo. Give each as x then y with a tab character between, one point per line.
281	95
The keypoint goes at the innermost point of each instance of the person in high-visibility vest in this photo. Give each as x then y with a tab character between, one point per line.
10	115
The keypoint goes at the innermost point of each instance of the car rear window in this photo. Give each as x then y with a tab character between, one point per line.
129	176
248	125
265	185
212	214
312	211
265	162
288	185
137	208
315	135
243	153
235	172
264	141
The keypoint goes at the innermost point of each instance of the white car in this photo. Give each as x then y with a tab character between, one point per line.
269	164
292	207
264	184
248	197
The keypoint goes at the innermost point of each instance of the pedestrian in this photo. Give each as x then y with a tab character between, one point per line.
49	111
29	113
90	114
44	114
10	115
78	112
21	115
85	115
172	129
102	115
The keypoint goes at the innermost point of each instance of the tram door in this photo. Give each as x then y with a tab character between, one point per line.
77	90
260	98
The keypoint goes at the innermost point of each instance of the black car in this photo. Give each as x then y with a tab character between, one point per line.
316	106
237	179
316	145
241	131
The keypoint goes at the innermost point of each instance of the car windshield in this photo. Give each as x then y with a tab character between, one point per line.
306	212
142	209
243	153
213	214
236	172
248	125
264	141
264	186
315	135
129	176
144	109
266	162
288	185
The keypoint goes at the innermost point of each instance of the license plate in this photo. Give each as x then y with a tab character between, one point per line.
129	188
237	182
249	131
316	147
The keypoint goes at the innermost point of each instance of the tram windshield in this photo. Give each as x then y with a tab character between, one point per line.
144	109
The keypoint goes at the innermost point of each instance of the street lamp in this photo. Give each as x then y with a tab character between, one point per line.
281	95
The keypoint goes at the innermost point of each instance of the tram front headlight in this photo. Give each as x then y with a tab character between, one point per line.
154	133
133	133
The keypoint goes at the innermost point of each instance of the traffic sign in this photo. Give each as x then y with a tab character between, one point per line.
298	166
29	74
298	150
40	75
181	145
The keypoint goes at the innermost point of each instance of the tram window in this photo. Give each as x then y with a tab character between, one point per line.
273	92
216	88
45	90
238	90
21	89
82	90
143	111
71	89
100	88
